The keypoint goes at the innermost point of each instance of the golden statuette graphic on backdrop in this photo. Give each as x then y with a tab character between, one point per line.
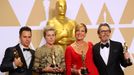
125	49
63	25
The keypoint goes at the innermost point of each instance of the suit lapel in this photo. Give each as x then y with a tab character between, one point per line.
110	52
32	59
99	55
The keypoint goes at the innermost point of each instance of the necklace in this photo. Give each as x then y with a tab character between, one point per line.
80	48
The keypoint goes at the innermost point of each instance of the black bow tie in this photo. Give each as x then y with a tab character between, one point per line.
104	45
26	49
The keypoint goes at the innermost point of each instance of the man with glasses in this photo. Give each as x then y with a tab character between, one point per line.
108	54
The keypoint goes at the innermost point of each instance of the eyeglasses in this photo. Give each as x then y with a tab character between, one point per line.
104	31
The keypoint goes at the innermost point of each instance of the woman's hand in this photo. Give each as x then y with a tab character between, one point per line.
75	71
48	69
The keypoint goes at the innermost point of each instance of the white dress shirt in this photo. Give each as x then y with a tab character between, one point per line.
105	53
27	55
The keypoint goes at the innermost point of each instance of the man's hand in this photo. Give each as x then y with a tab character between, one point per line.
127	55
17	62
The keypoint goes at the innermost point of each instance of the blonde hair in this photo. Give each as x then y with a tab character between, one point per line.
48	28
78	26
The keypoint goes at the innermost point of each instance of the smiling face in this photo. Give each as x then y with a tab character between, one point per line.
104	33
80	32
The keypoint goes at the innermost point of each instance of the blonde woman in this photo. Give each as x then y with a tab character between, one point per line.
78	56
49	58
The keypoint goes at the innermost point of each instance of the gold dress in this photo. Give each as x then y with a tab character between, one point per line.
43	57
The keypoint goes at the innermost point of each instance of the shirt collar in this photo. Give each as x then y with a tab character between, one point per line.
21	46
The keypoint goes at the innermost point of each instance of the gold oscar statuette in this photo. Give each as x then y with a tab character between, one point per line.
84	70
125	49
53	56
20	68
16	54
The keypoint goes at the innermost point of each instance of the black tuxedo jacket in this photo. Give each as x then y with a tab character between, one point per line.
115	59
7	62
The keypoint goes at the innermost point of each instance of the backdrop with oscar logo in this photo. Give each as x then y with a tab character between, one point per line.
35	13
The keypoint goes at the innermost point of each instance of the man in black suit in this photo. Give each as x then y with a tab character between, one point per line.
18	60
108	55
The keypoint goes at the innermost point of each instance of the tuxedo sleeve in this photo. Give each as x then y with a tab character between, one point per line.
7	62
